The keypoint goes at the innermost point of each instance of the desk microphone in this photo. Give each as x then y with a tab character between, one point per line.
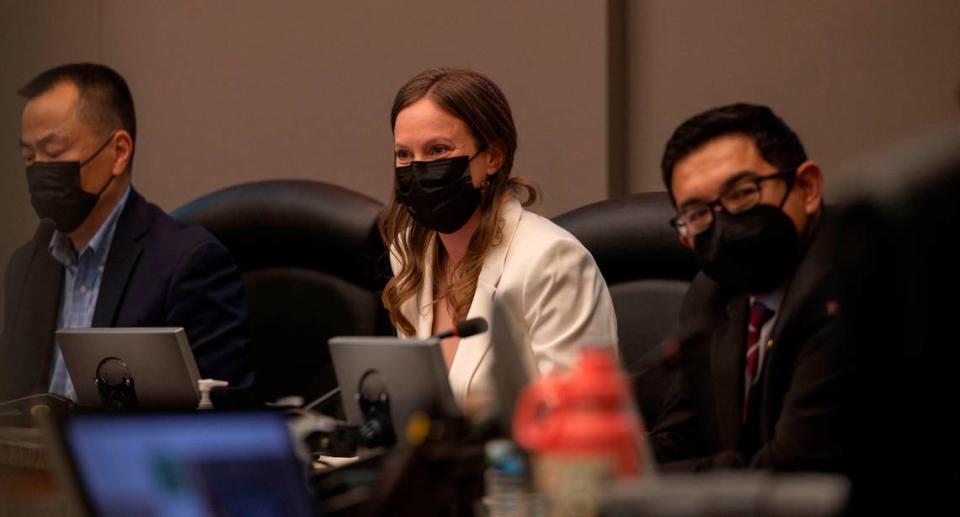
465	328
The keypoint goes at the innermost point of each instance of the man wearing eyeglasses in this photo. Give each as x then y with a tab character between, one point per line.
766	376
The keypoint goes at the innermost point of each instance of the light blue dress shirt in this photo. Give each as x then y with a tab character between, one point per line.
83	272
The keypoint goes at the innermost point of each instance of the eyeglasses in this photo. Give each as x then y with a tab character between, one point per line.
743	195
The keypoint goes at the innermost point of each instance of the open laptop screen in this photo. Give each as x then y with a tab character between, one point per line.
187	464
157	359
409	371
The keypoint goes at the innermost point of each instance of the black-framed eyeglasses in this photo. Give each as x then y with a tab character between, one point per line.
741	196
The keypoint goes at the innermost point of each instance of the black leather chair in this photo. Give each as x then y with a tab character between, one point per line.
648	272
313	264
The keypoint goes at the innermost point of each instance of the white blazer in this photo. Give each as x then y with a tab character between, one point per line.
547	281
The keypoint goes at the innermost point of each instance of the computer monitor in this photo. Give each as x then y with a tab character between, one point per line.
410	371
512	370
158	360
203	463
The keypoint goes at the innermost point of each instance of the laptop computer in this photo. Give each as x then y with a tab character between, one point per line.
202	463
410	371
159	360
511	370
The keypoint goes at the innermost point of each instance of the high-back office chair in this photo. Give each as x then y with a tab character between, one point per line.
313	265
648	272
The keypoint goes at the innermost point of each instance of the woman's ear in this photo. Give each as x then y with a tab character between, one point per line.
495	158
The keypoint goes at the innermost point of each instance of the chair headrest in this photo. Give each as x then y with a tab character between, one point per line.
294	223
631	238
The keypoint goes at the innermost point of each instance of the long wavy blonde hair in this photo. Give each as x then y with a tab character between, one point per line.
478	102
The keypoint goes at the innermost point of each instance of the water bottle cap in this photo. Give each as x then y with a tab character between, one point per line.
504	457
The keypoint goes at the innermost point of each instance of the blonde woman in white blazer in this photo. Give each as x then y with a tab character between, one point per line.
459	237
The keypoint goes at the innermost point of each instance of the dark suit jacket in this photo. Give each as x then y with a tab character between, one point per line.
800	419
159	273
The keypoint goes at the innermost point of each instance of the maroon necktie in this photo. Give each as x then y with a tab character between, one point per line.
759	314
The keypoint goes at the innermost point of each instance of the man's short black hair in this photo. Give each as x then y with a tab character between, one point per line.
105	99
777	143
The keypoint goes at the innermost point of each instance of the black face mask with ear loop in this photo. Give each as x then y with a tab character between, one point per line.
439	194
753	252
55	191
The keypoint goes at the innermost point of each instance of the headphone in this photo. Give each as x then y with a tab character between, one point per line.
377	429
115	385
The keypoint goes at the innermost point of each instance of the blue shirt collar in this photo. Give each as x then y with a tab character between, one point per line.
61	248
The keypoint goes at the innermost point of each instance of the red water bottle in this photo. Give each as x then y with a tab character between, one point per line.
584	430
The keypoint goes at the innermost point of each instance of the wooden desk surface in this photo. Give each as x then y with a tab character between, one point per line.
27	486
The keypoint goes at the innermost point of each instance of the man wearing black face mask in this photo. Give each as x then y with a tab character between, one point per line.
766	376
103	256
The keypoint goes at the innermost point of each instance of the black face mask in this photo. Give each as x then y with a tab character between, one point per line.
753	251
440	194
55	191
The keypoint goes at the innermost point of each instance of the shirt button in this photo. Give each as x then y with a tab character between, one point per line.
83	288
100	269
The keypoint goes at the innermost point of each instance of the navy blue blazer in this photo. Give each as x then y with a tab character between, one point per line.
160	272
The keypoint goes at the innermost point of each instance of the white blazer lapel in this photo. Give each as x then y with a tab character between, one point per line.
419	309
472	350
